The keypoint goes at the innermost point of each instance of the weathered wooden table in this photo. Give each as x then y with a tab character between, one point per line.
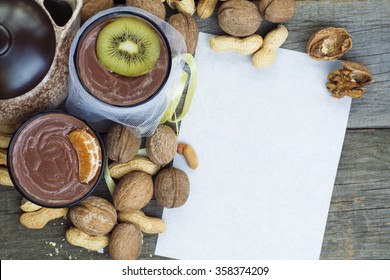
358	224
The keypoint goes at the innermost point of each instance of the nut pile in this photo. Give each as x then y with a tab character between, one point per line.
97	223
241	19
6	132
330	44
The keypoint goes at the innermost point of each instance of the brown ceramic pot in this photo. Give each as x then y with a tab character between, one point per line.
35	37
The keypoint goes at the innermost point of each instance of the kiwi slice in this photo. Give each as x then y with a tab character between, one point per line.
128	46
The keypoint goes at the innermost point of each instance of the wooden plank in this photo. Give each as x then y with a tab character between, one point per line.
367	23
358	224
18	242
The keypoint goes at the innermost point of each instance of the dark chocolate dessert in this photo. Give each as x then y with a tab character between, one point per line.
55	159
119	89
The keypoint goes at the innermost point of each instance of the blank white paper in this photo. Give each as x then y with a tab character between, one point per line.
269	143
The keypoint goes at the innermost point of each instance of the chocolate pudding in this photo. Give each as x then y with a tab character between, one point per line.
44	164
113	88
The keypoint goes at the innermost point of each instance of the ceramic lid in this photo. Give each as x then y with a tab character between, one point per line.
27	46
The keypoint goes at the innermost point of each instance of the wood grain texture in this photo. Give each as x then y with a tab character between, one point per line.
358	225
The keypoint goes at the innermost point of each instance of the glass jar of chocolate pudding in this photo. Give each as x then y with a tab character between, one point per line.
55	159
113	88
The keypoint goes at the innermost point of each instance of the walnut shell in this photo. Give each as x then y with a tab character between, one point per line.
277	11
133	192
187	26
121	143
161	146
329	44
92	7
94	215
125	242
239	18
358	72
155	7
171	187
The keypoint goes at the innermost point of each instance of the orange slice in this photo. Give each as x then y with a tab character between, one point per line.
89	154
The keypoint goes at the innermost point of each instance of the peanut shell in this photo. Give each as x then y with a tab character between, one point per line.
79	238
5	179
28	206
3	157
118	170
9	128
5	139
38	219
186	7
144	223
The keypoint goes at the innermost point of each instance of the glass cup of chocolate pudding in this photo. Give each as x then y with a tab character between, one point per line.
55	159
113	88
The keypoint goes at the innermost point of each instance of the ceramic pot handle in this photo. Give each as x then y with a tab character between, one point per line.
74	18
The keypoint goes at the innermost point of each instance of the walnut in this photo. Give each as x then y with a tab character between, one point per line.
94	215
171	187
277	11
125	242
349	81
239	18
161	146
155	7
187	26
133	192
92	7
121	143
329	44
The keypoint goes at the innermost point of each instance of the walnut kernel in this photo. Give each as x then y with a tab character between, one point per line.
349	81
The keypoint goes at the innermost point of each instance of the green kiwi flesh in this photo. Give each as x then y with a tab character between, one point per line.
128	46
